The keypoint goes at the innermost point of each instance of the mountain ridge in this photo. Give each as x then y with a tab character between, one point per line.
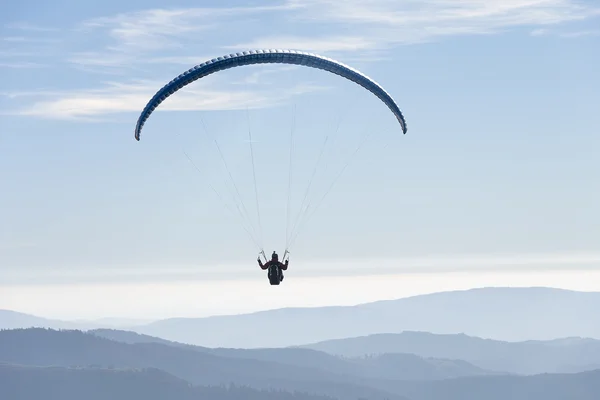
545	314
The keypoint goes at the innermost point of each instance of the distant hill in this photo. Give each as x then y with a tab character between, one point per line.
38	383
386	366
506	314
512	314
287	369
445	356
101	383
133	337
14	320
581	386
113	323
529	357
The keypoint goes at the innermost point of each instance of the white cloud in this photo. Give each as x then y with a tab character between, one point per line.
24	26
169	22
28	39
117	98
21	64
576	34
120	60
495	13
183	60
349	26
137	42
367	28
319	44
14	39
34	93
571	34
539	32
149	30
146	32
389	22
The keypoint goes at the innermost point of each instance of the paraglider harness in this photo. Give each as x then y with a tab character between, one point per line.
274	273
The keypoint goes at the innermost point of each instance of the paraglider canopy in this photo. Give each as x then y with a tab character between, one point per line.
268	57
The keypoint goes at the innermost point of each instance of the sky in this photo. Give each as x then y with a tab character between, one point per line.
497	181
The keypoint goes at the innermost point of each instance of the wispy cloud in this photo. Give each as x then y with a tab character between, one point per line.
27	47
21	64
569	34
350	26
15	94
446	12
131	97
315	44
539	32
132	44
25	26
149	30
576	34
392	22
28	39
137	34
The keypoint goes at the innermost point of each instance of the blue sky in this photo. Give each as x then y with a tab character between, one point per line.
500	165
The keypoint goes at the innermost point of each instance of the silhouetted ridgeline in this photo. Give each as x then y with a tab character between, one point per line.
511	314
387	366
424	354
581	386
59	383
107	369
42	347
529	357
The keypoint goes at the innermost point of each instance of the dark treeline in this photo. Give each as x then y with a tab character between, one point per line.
49	383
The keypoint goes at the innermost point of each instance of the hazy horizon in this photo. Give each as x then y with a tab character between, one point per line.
155	301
